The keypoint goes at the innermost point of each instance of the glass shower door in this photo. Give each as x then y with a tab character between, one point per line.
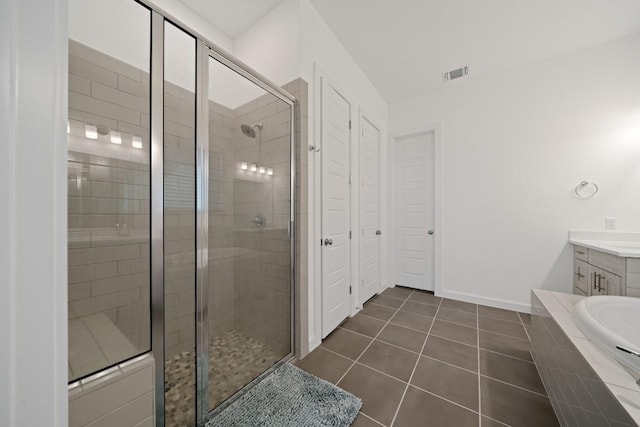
250	250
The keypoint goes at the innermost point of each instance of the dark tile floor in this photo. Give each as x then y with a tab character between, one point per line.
418	360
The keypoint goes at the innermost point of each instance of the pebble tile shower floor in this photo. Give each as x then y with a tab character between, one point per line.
234	360
418	360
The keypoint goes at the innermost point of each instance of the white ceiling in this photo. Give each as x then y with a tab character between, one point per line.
405	45
232	17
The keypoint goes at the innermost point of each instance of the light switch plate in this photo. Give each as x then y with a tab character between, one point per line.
610	223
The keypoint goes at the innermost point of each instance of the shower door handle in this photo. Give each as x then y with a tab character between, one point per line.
328	242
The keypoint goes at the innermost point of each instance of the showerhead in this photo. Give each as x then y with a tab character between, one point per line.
250	130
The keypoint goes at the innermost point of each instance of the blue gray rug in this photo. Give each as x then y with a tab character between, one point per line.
290	397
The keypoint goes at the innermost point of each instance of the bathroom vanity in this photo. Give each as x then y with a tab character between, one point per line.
606	263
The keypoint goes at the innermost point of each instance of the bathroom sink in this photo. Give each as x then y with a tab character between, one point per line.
612	323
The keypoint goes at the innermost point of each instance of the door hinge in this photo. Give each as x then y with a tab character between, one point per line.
349	290
349	124
320	242
349	234
349	179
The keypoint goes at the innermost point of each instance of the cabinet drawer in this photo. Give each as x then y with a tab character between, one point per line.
581	275
608	262
581	253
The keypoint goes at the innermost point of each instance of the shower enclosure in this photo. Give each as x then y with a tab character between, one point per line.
181	191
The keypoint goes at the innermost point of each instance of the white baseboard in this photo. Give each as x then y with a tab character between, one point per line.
491	302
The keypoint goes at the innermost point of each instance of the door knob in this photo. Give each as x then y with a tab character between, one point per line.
430	231
328	242
378	232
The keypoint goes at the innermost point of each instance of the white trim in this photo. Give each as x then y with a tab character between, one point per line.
491	302
33	213
437	200
315	306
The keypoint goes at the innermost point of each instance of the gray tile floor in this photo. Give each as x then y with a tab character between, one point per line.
418	360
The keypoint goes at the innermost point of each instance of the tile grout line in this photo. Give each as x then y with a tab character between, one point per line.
415	366
405	381
438	360
481	329
506	355
444	398
515	385
497	421
402	326
419	388
524	327
372	340
372	419
362	313
409	351
478	350
408	383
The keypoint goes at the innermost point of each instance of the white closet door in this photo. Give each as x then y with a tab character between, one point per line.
336	253
369	210
414	187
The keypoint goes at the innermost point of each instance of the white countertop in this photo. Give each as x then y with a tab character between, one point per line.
622	244
620	382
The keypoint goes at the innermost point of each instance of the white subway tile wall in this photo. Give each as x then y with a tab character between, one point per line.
108	212
124	397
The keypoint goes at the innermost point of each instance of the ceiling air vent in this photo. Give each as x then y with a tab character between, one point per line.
455	74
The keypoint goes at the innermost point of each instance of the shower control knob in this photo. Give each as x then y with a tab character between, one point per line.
328	242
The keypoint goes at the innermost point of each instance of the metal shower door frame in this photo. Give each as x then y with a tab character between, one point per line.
204	50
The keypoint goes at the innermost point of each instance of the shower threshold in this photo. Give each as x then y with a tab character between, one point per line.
235	359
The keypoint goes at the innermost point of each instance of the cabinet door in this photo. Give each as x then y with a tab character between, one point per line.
597	285
611	283
581	276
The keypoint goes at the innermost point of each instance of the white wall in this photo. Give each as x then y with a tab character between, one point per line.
272	45
321	48
119	28
33	240
514	147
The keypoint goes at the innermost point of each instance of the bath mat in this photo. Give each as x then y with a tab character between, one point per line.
290	397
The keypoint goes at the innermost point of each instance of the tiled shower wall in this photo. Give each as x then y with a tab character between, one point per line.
108	207
179	219
263	294
221	192
109	266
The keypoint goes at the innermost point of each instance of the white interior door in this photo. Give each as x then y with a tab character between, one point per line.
369	210
335	222
414	207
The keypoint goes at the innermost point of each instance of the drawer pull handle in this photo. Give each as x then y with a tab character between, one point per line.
581	253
